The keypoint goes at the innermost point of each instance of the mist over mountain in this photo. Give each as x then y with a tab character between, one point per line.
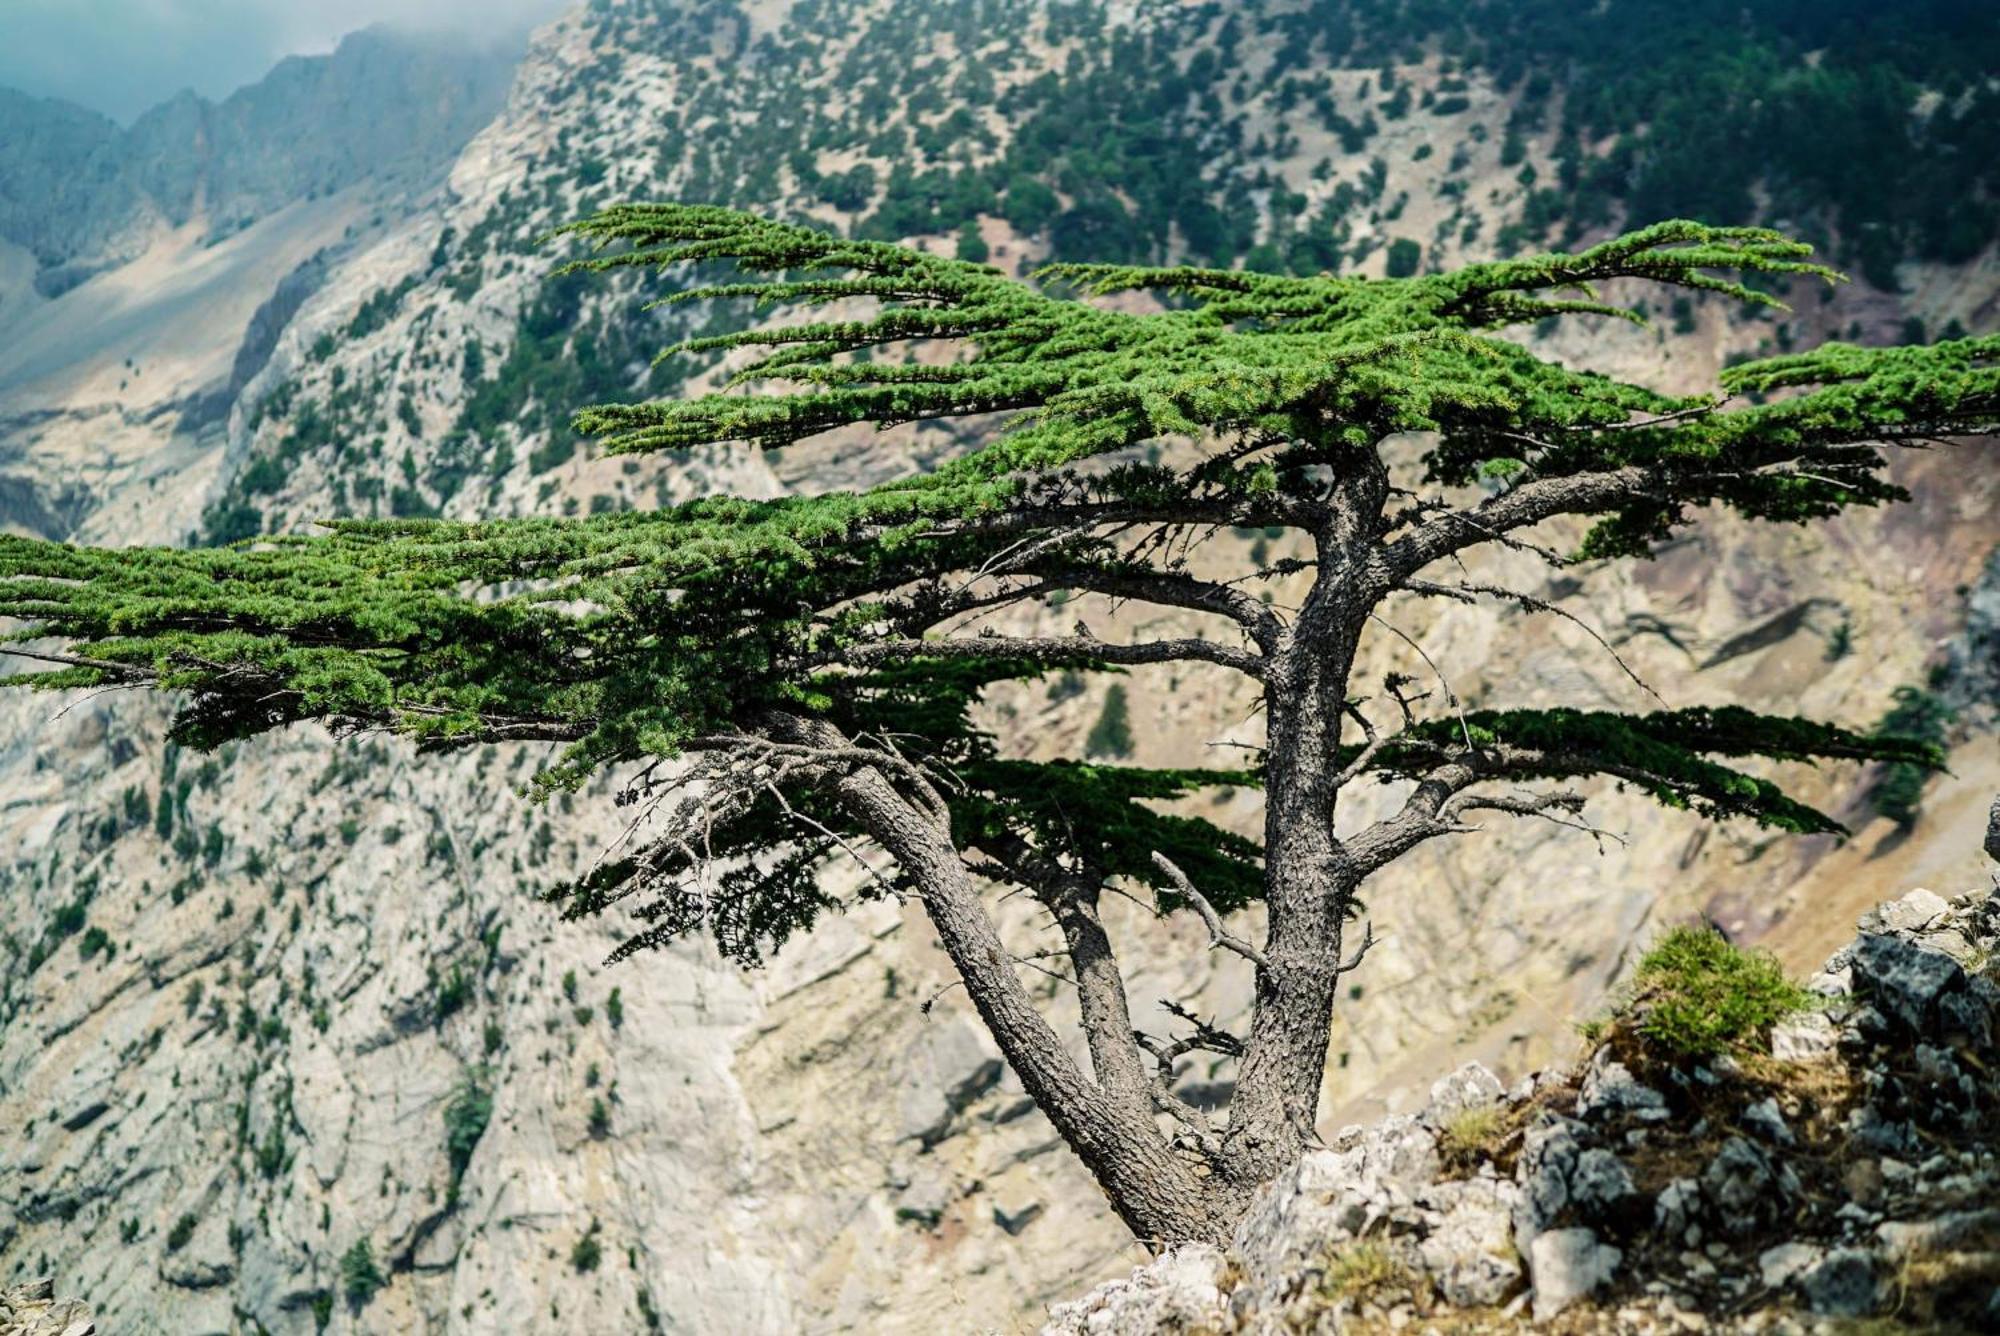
80	193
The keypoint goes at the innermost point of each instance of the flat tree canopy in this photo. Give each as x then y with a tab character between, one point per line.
777	684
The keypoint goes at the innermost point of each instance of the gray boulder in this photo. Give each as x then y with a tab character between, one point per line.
1470	1087
1841	1284
1568	1264
1610	1091
1904	981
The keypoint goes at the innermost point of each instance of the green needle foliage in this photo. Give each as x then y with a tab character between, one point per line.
778	684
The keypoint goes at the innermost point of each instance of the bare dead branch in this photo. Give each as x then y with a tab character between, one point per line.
1217	937
1467	593
1353	962
1451	697
1053	650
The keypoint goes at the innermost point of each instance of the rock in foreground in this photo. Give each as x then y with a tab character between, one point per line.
33	1310
1846	1166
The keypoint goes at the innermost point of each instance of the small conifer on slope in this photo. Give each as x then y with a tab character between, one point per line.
777	684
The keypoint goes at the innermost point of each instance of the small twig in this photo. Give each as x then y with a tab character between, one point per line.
1373	744
1451	697
91	696
1210	919
924	1008
810	823
1353	962
1547	806
1464	593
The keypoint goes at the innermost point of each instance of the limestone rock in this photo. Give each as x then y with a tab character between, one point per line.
1469	1250
1470	1087
33	1309
1178	1292
1587	1229
1841	1284
1806	1037
1610	1090
1568	1264
1768	1121
1902	980
1777	1266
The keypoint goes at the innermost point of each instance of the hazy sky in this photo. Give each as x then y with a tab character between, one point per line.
122	56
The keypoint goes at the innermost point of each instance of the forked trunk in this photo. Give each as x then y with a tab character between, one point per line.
1164	1195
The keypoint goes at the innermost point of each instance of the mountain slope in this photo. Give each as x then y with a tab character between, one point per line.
299	996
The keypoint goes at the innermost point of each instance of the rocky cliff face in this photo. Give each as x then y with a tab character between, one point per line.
145	272
287	1043
1849	1169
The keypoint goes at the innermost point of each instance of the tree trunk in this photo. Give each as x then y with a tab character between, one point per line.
1306	884
1308	878
1162	1194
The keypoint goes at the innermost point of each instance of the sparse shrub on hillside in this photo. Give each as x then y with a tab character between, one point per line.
465	1121
453	992
1111	735
1470	1135
181	1231
588	1250
361	1277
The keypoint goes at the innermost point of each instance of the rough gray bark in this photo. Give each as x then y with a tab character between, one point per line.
1157	1191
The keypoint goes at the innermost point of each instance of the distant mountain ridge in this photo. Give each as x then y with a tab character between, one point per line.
82	194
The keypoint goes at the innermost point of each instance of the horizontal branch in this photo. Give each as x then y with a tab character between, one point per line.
1054	651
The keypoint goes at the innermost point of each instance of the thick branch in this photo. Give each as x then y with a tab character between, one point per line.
1153	1189
1178	591
1529	504
1105	1013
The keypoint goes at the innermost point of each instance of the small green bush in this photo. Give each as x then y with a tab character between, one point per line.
182	1231
1111	735
1362	1270
1920	716
453	992
588	1252
360	1276
1470	1135
1695	994
465	1120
